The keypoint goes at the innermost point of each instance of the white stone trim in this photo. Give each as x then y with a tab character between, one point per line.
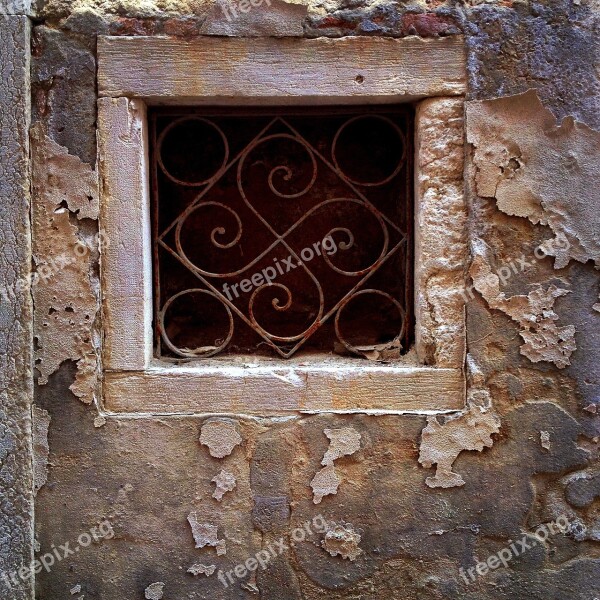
267	387
441	249
287	71
429	379
126	261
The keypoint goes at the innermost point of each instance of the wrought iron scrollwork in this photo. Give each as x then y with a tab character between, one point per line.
274	203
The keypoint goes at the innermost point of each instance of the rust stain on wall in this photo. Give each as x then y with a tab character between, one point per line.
65	195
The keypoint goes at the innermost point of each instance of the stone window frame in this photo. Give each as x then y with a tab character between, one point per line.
134	72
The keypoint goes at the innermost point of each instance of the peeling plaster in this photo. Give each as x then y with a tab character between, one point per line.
471	429
342	540
545	440
221	436
342	442
324	483
65	296
205	534
536	169
41	450
225	482
200	569
544	339
154	591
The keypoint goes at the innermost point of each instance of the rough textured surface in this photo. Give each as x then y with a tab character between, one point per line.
65	290
382	69
15	7
41	423
200	569
342	442
441	443
224	482
221	436
544	339
537	169
325	482
270	17
342	540
441	243
148	472
154	591
16	477
205	534
63	80
122	166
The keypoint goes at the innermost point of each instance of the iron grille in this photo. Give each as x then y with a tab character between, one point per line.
276	231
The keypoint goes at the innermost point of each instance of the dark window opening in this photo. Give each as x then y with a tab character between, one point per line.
282	231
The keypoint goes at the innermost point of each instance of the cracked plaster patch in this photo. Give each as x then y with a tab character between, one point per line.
545	440
342	540
471	429
225	482
200	569
543	339
342	442
220	436
65	298
154	591
536	169
324	483
205	534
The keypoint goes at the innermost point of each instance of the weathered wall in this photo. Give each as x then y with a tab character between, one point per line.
16	501
533	344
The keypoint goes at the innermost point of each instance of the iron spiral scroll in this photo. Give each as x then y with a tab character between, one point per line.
273	200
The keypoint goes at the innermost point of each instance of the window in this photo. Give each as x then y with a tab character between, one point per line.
279	232
267	120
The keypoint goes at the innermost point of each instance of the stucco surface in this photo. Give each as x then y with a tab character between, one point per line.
388	533
16	478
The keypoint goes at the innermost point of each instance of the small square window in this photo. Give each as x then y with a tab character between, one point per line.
331	207
282	232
